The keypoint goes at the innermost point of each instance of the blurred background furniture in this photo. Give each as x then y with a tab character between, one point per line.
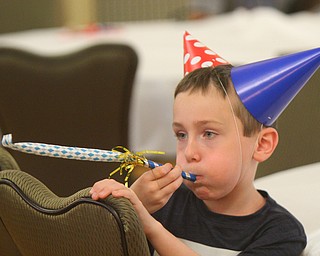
34	221
77	99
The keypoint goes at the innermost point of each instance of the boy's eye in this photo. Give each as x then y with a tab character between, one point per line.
209	134
181	135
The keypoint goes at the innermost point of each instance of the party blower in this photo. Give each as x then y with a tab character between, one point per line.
127	159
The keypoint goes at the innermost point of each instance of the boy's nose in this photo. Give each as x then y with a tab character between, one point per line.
191	151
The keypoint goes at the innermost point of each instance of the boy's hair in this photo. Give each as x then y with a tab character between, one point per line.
203	78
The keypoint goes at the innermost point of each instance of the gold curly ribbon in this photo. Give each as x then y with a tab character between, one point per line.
129	160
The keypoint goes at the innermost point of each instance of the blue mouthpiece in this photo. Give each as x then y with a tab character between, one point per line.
185	175
189	176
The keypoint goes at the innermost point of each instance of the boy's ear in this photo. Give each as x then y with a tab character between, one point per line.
267	143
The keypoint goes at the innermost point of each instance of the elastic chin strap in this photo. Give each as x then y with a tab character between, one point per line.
236	124
234	119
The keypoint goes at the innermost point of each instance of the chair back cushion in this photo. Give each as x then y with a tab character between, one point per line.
7	162
34	221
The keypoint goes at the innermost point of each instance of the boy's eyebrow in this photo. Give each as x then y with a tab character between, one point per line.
175	124
199	123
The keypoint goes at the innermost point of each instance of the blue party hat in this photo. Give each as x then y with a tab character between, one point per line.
267	87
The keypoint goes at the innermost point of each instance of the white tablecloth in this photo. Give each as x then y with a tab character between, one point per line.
240	37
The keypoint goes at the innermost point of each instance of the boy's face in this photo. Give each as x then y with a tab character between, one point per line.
208	144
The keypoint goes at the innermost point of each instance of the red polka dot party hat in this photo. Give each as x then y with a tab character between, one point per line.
197	55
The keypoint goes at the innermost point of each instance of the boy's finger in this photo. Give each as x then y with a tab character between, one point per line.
161	171
170	177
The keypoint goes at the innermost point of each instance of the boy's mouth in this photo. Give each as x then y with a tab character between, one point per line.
189	176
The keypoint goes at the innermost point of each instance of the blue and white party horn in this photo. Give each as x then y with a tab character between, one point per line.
118	154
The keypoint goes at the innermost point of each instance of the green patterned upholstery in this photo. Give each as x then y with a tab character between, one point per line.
7	162
35	221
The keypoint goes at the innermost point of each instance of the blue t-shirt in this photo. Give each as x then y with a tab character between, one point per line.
271	231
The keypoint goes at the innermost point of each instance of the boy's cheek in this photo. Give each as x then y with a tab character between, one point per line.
180	160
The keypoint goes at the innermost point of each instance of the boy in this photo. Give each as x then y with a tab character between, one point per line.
221	139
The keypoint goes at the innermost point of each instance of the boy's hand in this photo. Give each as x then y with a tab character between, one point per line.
104	188
155	187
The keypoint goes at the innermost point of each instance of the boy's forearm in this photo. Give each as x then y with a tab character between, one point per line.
166	243
161	239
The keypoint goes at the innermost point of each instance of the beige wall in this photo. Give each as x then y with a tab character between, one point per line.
18	15
78	12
